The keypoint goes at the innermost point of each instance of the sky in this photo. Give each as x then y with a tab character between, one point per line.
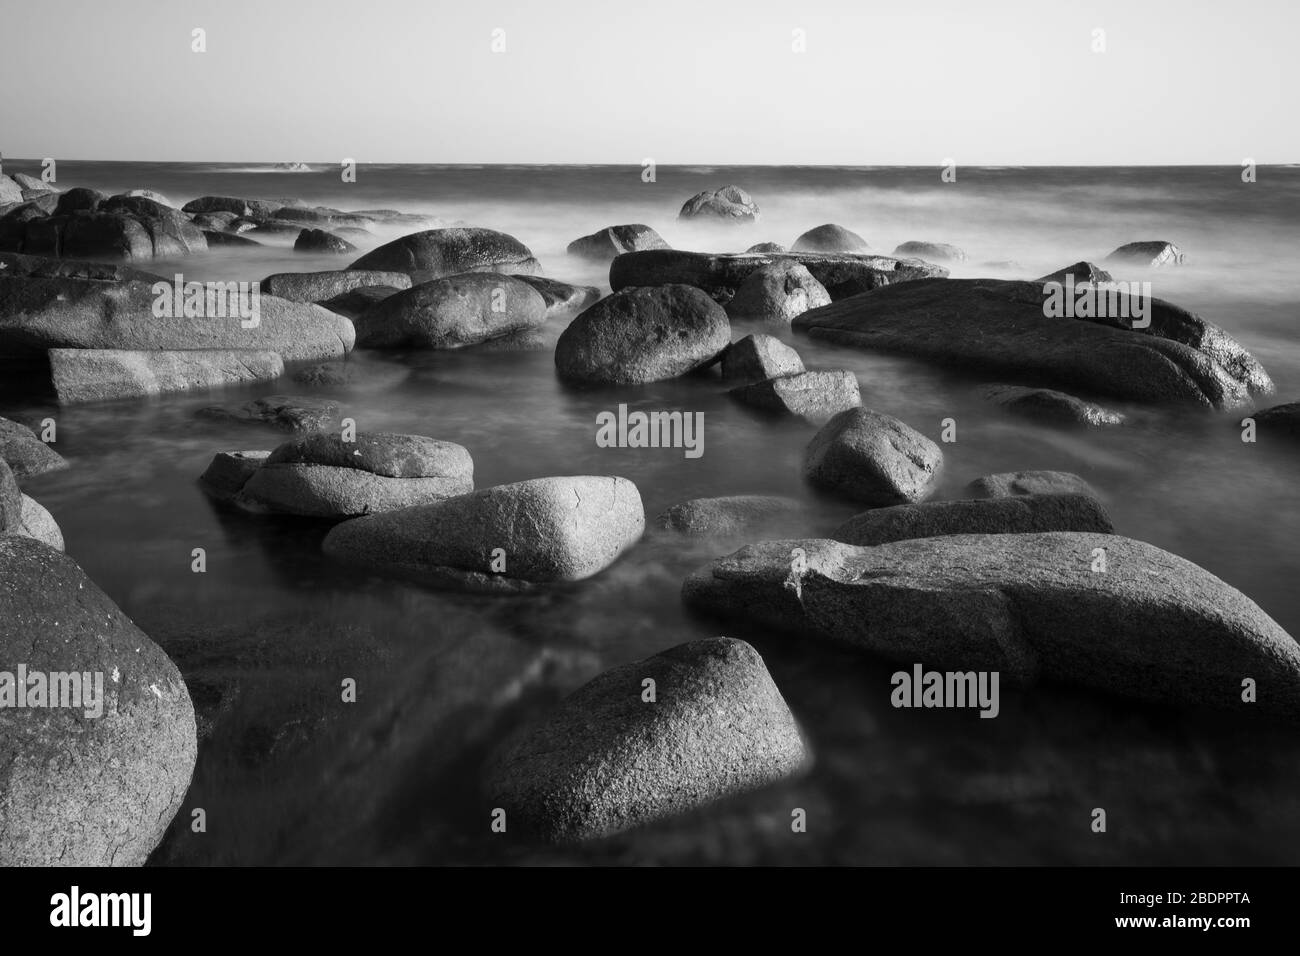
909	82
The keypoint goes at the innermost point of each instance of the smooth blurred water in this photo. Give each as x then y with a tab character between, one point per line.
272	617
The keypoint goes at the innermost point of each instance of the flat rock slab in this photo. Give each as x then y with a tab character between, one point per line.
95	375
1030	606
319	286
1020	514
608	761
1029	483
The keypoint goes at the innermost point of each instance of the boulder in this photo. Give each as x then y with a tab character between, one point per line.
767	247
1019	514
777	292
26	454
729	204
322	476
841	273
438	253
319	286
39	524
1078	273
46	313
1051	407
452	313
286	413
615	240
171	233
323	216
1003	327
606	761
88	225
318	240
1280	420
758	357
815	396
1029	606
30	184
561	298
550	530
96	375
1029	483
251	208
872	458
229	471
79	199
930	252
1151	254
10	191
830	238
95	785
643	335
732	516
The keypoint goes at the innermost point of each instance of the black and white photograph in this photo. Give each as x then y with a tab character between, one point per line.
534	435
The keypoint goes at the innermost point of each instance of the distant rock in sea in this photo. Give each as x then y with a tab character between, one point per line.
830	238
729	204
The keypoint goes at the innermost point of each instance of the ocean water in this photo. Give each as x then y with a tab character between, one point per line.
289	774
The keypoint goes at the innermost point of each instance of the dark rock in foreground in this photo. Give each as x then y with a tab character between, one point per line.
438	253
872	458
1030	606
730	204
1051	407
608	761
1021	514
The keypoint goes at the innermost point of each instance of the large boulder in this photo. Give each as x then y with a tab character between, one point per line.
1004	327
1051	407
47	313
758	357
562	298
39	524
930	251
1030	606
830	238
608	761
1152	254
452	313
26	454
94	785
815	396
1020	514
615	240
320	286
872	458
507	538
171	233
323	476
721	275
729	204
437	253
1008	483
732	516
778	292
97	375
88	225
643	335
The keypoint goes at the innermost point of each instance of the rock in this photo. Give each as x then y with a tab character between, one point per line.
358	302
39	524
842	274
13	265
229	471
830	238
10	191
1280	420
149	194
561	298
1002	327
815	396
1079	273
96	375
319	286
606	761
767	247
251	208
228	239
1019	514
288	413
615	240
438	253
322	476
729	204
452	313
46	313
643	335
1029	483
270	229
777	293
1030	606
758	357
1051	407
731	516
86	791
872	458
32	184
1151	254
215	221
353	374
87	224
323	216
79	199
930	252
318	240
26	454
11	501
551	529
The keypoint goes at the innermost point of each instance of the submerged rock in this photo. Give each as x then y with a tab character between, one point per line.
643	335
604	245
1151	254
96	375
320	286
815	396
607	761
1051	407
287	413
26	454
777	292
830	238
872	458
731	516
758	357
438	253
1029	483
506	538
452	313
91	785
1020	514
729	204
1029	606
